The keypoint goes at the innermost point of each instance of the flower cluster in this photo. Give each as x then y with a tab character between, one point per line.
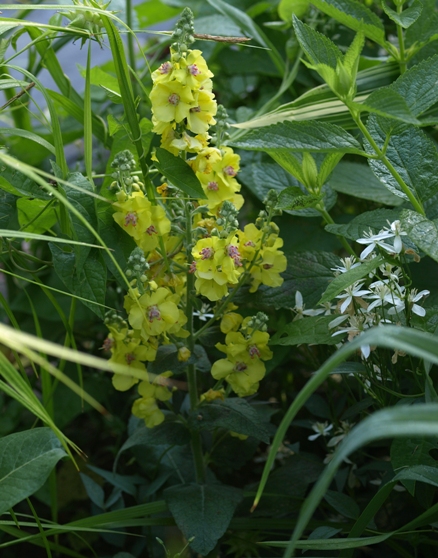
187	248
383	296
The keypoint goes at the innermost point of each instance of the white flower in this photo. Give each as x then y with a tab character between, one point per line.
373	240
321	429
203	313
353	291
382	294
413	297
349	263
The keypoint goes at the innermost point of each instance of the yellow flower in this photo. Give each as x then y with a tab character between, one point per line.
171	101
184	354
154	313
212	395
230	322
140	219
254	346
193	70
249	241
129	350
200	117
217	264
242	375
273	262
146	407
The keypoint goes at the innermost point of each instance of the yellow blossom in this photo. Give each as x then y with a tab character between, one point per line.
212	395
171	101
267	271
243	375
153	313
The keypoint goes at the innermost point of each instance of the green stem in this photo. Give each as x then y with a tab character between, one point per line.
416	203
196	443
327	218
131	51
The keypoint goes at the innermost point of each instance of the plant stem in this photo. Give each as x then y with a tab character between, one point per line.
403	186
131	51
191	369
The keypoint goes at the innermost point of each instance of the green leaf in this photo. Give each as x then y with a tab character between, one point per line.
294	199
311	136
319	48
341	282
355	15
234	414
36	216
203	512
169	433
308	330
407	17
418	85
343	504
356	179
388	102
179	173
89	284
8	210
425	28
411	452
85	205
413	155
422	231
103	79
287	8
27	460
374	220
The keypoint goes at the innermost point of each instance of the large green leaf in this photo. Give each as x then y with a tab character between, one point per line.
415	158
418	85
35	215
179	173
300	136
234	414
27	459
425	27
89	284
203	511
422	231
389	103
355	15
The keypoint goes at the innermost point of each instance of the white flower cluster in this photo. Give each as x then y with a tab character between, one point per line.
384	300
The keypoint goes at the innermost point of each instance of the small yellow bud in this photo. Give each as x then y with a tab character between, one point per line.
183	354
212	394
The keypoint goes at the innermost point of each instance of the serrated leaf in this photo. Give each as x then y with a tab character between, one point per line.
311	136
356	179
422	231
234	414
341	282
308	330
90	284
419	85
374	220
203	511
414	157
179	173
319	48
389	103
405	18
355	15
27	459
425	28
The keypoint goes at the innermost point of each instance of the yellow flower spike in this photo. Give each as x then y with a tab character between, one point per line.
130	351
171	101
